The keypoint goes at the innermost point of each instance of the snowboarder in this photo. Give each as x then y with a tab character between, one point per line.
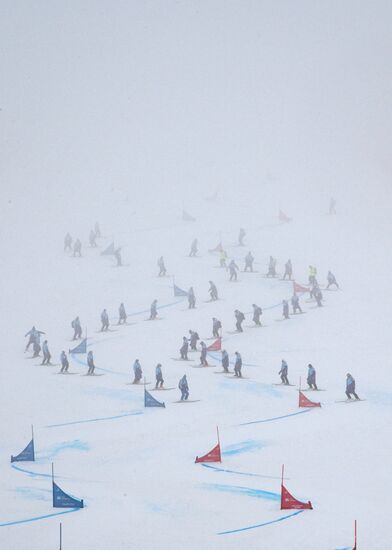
233	268
238	365
284	369
191	298
162	268
104	321
184	349
194	337
241	237
158	376
271	267
90	363
216	326
122	315
67	242
184	388
153	310
222	258
92	238
97	230
257	312
137	369
77	328
311	379
295	304
77	248
203	355
225	360
319	296
213	291
240	317
249	259
33	335
285	305
332	204
64	362
288	270
46	353
117	255
193	251
350	387
331	280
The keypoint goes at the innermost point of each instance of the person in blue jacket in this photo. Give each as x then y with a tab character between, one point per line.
46	353
34	336
158	376
137	369
122	315
295	304
225	360
90	363
311	379
350	387
203	355
64	362
238	365
104	321
284	369
184	349
184	388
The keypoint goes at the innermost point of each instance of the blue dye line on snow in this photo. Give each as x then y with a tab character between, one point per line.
282	518
29	472
217	469
275	418
242	447
248	491
37	518
93	420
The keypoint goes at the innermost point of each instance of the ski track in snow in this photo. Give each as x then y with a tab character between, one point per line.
282	518
223	470
38	518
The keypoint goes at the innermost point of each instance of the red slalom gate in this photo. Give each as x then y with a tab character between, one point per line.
213	456
288	502
215	346
303	401
299	288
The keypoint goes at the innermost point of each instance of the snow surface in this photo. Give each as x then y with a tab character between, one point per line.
76	152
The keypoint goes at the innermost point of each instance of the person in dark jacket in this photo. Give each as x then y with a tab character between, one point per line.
240	317
249	259
46	353
319	297
285	305
162	267
350	387
153	310
184	349
77	328
295	303
311	379
288	270
216	327
225	360
193	251
284	369
158	376
122	315
77	248
331	280
194	337
257	312
203	355
238	365
64	362
271	267
233	268
137	370
213	291
184	388
191	298
104	321
90	363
